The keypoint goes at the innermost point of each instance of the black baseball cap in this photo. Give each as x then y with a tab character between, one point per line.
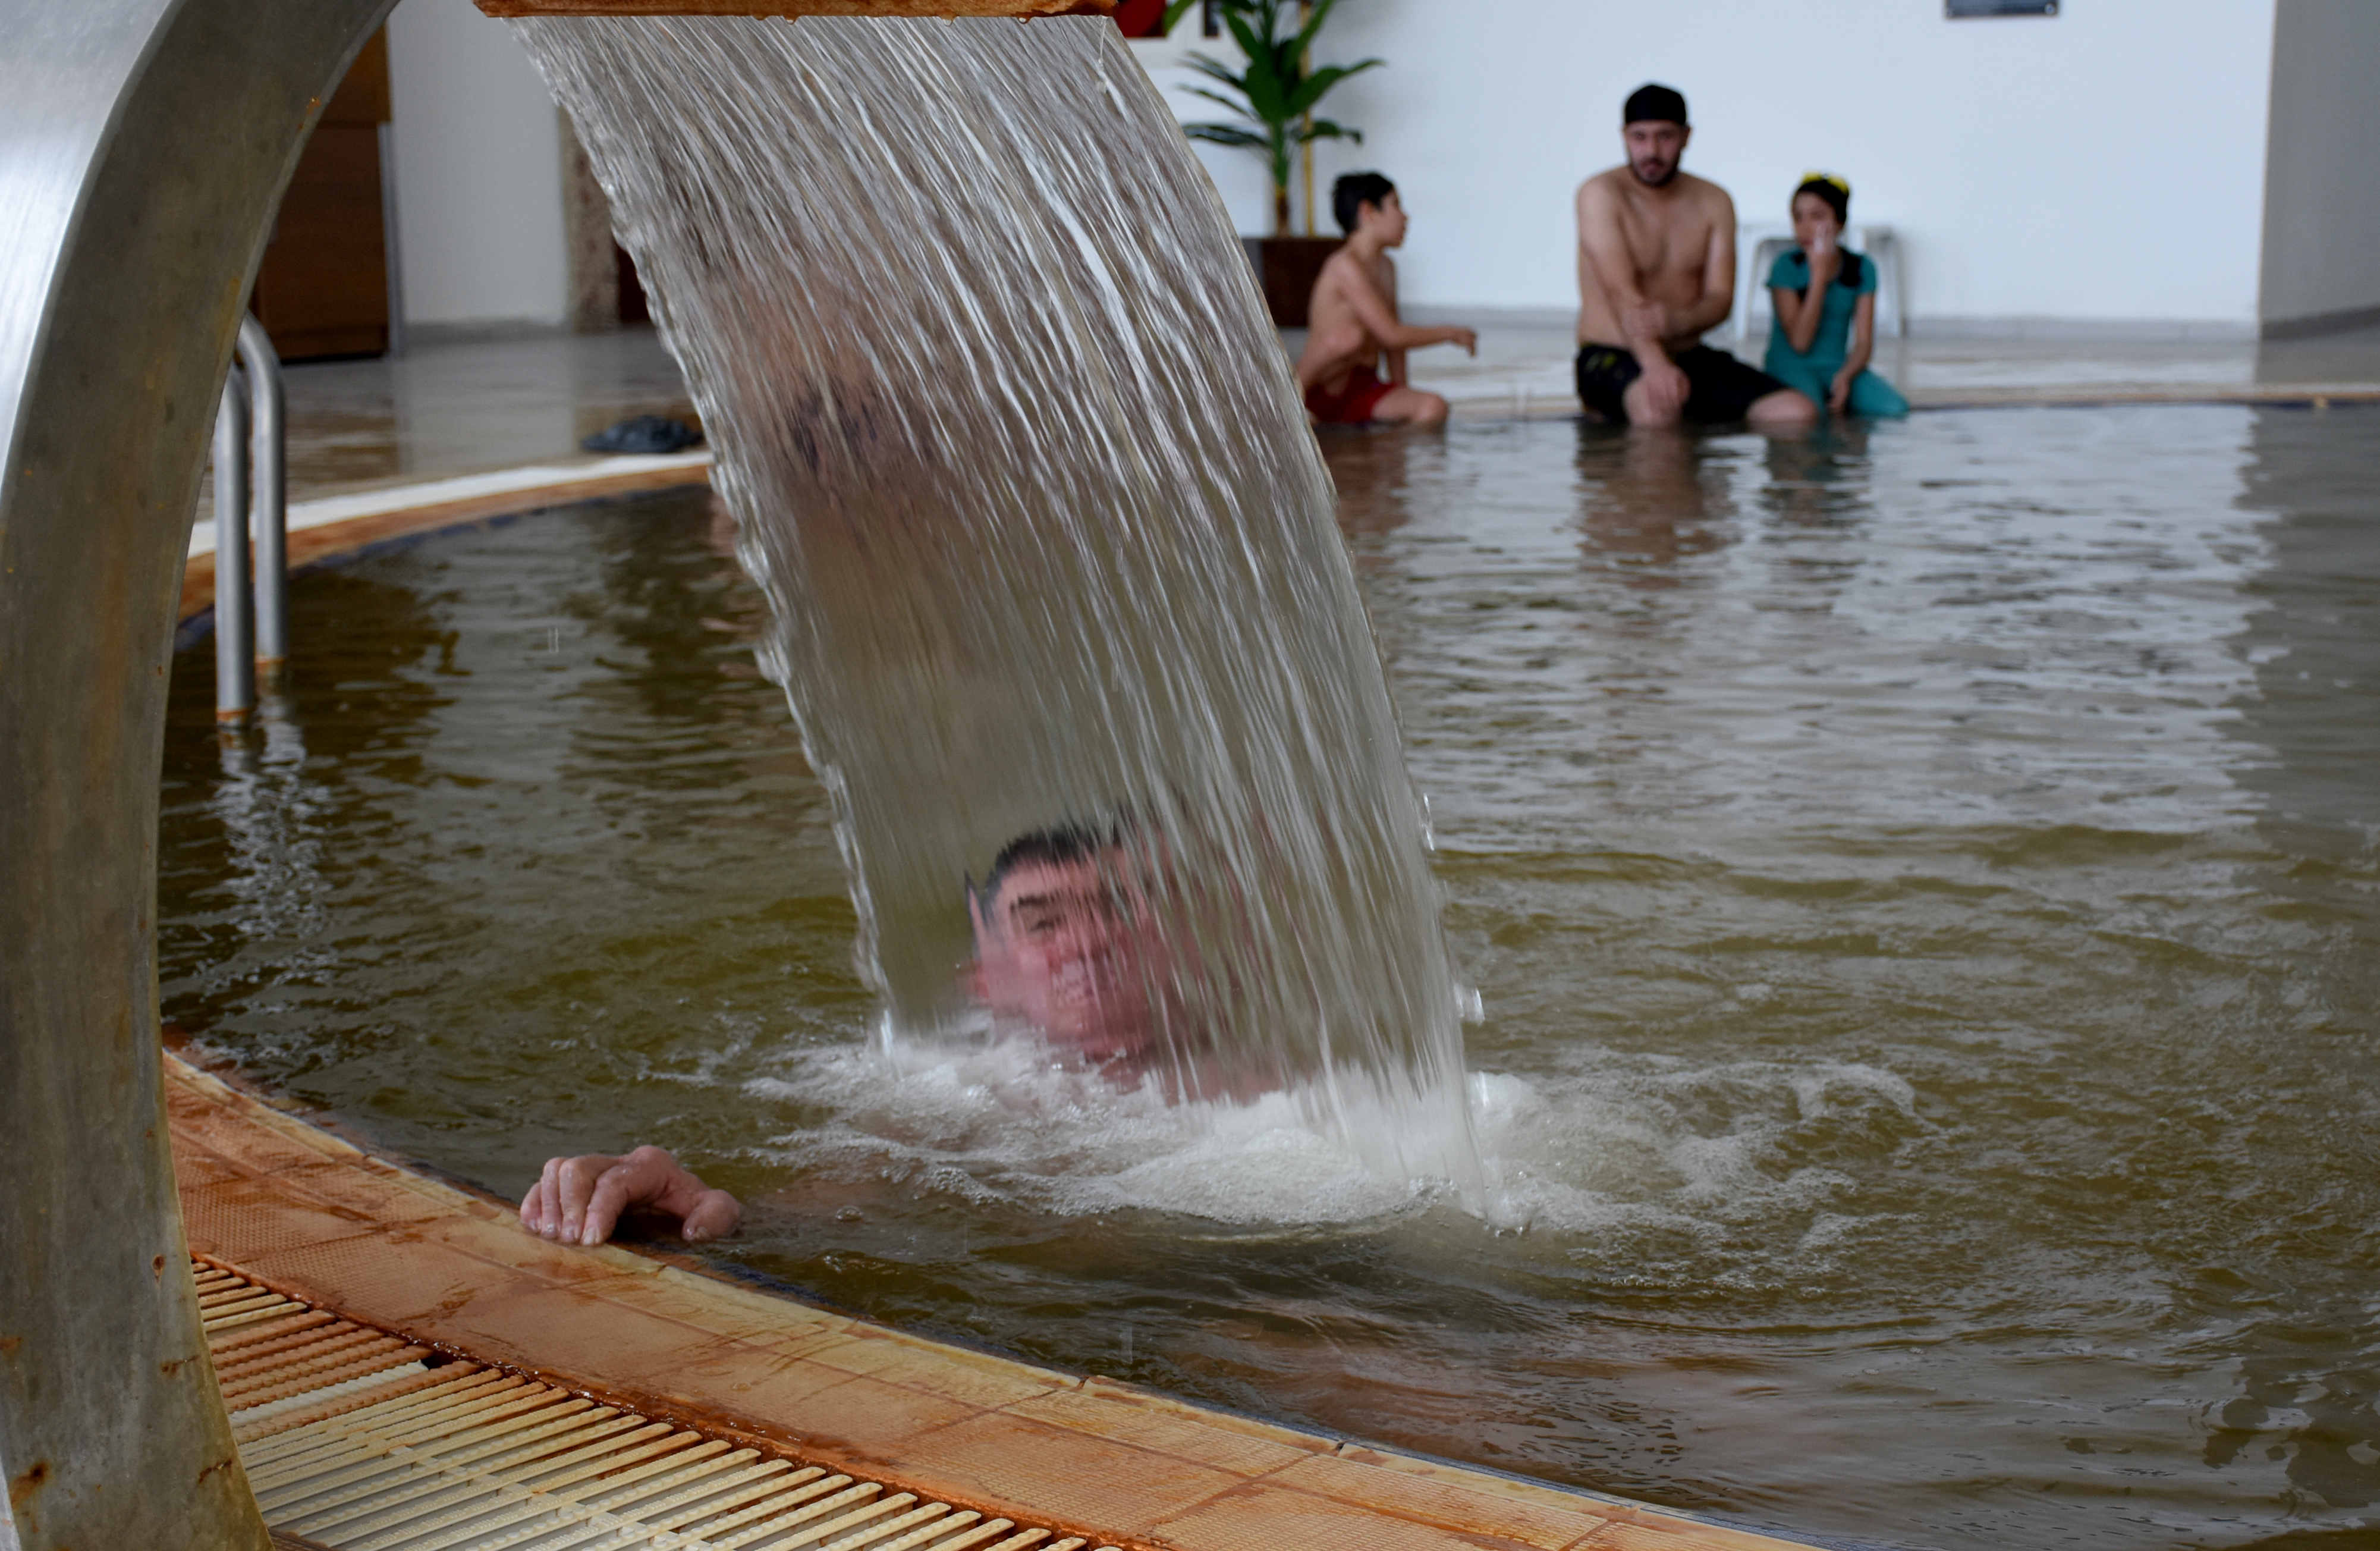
1654	101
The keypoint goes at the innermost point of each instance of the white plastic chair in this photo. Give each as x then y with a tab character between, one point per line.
1757	247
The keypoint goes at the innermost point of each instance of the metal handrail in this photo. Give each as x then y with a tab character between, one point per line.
235	653
269	489
251	491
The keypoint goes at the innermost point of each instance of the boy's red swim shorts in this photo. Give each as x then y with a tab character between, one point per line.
1353	403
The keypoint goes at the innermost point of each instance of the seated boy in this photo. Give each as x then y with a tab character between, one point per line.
1352	322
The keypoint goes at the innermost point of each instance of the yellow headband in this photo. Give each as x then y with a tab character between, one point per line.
1826	177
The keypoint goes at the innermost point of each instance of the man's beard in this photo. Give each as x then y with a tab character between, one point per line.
1666	174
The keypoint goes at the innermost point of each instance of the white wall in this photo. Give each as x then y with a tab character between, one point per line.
2322	193
2105	164
479	173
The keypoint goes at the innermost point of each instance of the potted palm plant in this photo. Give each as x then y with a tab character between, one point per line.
1274	94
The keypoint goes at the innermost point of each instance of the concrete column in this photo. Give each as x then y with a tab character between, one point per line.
143	146
2320	269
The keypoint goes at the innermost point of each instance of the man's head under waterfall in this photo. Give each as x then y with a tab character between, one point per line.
1068	940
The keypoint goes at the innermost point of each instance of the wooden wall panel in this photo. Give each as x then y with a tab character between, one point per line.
323	287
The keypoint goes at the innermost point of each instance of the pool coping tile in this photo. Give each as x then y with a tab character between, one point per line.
315	1217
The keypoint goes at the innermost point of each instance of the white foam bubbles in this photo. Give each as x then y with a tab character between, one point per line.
1621	1142
1006	1116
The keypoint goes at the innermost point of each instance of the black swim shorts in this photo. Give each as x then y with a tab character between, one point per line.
1720	388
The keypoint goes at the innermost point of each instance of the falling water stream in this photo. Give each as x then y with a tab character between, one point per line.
1012	450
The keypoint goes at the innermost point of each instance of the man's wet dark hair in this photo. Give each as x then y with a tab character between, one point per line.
1054	847
1353	192
1834	190
1653	100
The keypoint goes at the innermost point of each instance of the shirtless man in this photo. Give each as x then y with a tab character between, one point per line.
1655	271
1352	322
1065	944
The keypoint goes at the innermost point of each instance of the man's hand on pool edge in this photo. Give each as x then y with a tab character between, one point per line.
579	1201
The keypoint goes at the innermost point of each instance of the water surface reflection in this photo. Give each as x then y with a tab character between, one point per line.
1651	498
1924	884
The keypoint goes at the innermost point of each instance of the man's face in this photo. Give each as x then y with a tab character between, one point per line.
1072	949
1654	147
1385	220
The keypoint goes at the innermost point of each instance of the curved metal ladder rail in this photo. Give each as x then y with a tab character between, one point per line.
252	485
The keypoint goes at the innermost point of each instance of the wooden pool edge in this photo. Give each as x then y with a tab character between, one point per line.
402	513
316	1217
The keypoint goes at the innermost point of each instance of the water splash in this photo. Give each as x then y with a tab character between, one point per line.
1015	454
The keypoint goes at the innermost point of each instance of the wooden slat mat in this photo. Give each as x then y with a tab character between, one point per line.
357	1440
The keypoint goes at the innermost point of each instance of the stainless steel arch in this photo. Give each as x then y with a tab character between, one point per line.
143	146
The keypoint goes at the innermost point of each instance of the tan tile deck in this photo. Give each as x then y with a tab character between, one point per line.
310	1215
397	426
459	407
1523	368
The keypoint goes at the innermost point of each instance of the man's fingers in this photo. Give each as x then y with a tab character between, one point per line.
715	1215
548	1197
532	1208
581	1199
570	1187
613	1193
578	1178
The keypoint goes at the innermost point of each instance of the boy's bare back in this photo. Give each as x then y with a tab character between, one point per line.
1349	298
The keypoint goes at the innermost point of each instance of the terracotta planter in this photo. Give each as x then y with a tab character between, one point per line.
1286	268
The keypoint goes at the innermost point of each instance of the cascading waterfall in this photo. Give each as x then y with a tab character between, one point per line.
1015	455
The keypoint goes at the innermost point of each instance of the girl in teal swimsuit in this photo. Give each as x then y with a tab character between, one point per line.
1821	349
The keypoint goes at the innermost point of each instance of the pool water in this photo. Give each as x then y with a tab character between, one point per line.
1923	883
